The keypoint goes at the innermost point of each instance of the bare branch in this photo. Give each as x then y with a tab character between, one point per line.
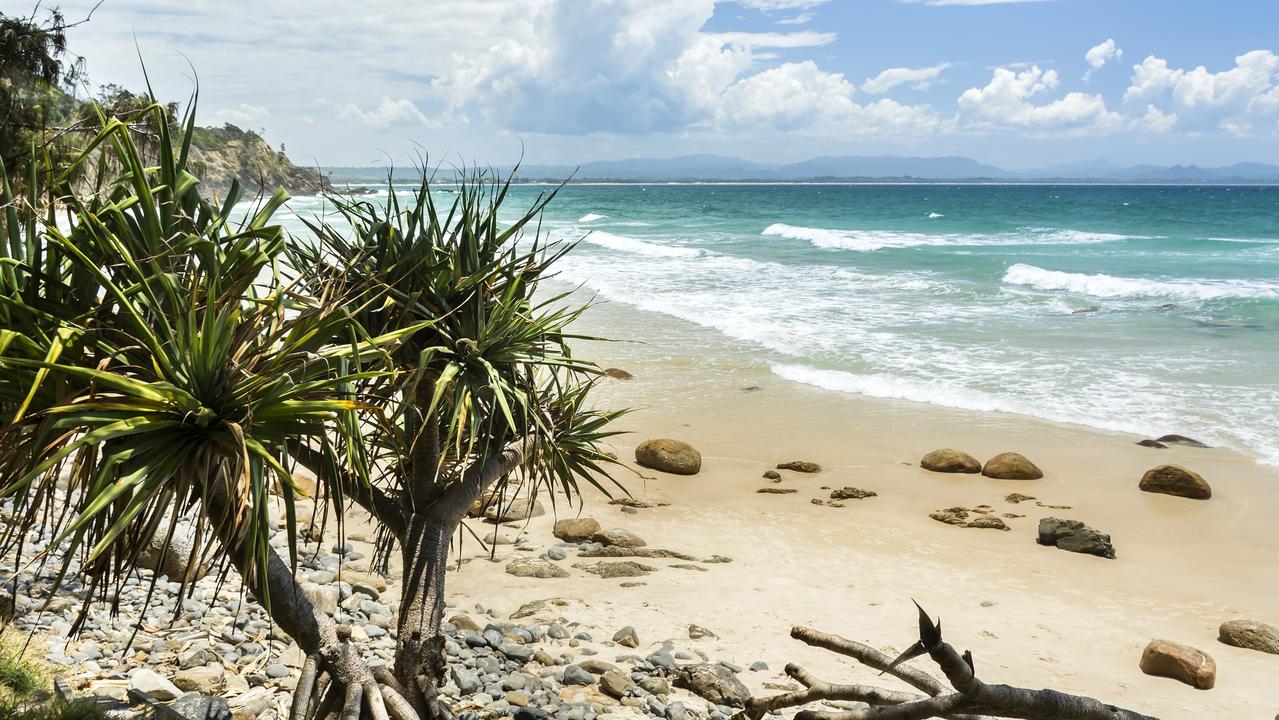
970	695
870	657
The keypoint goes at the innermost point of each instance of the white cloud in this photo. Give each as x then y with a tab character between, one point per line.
801	96
776	5
1006	102
799	19
967	2
243	114
917	78
1101	53
1240	100
387	113
773	40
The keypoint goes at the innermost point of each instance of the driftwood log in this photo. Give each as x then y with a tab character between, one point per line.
965	697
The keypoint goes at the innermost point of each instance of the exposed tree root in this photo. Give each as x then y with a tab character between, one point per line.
965	698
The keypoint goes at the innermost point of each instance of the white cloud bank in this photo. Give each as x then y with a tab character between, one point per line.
1101	53
1241	100
916	78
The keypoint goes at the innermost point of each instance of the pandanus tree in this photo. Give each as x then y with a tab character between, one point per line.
162	360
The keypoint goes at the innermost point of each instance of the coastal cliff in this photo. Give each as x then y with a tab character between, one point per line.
221	155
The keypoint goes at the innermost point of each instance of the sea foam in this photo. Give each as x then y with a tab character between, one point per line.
872	240
1108	286
623	243
590	217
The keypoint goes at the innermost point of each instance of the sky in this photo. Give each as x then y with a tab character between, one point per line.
1016	83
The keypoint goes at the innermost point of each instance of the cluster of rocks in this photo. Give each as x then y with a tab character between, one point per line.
1004	466
586	538
211	650
544	666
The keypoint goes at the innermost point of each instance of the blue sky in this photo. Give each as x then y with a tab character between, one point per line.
1017	83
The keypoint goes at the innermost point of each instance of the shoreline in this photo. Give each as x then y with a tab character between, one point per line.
1033	616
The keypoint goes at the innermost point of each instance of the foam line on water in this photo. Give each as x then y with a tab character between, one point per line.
873	240
1108	286
623	243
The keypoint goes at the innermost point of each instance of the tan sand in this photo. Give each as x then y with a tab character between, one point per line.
1032	615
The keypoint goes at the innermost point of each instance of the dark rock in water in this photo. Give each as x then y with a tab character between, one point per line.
947	460
1176	480
802	466
1181	440
851	493
715	683
772	475
1250	634
1074	536
618	373
1151	443
1191	666
195	706
1011	466
670	456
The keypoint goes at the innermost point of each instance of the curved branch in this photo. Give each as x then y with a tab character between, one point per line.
939	706
374	500
870	657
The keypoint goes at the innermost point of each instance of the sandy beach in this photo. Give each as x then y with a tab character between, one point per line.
1032	615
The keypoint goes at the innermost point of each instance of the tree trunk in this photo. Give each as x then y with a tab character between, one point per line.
419	652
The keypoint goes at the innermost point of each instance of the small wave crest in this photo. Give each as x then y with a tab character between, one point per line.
933	215
590	217
1108	286
623	243
872	240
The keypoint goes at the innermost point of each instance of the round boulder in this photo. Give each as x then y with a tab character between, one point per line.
617	537
1250	634
670	456
947	460
575	529
1176	480
1011	466
1193	667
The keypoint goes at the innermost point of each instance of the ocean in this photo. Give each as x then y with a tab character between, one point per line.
1142	309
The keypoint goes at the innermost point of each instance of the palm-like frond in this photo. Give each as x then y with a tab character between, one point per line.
155	364
494	367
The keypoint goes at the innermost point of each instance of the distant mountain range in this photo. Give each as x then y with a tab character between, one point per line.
854	168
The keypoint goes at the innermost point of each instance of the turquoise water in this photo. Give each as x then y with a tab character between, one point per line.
1141	309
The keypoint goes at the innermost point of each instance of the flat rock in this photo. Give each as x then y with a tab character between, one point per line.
617	537
575	529
1189	665
947	460
670	456
988	522
1250	634
715	683
1150	443
205	677
1011	466
772	475
851	493
1175	480
535	568
644	552
621	568
514	510
195	706
1074	536
154	684
618	374
800	466
615	684
777	491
